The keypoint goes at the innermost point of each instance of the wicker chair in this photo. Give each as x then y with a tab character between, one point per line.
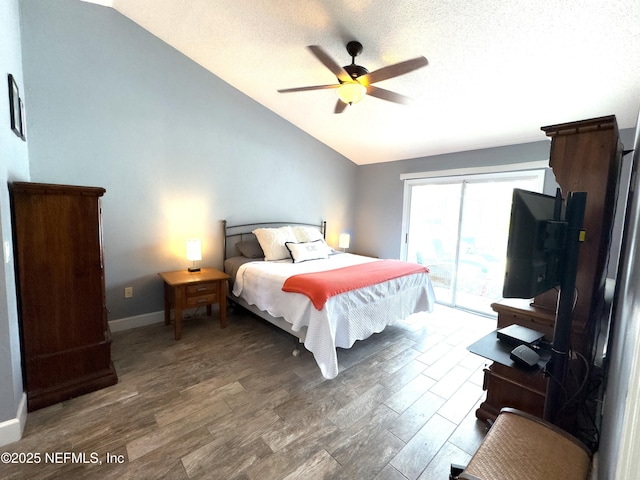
523	447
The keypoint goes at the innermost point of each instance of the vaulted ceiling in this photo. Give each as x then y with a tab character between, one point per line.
498	69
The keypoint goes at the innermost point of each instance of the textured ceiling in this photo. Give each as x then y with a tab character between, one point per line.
498	70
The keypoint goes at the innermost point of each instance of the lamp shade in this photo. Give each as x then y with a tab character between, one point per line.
194	249
351	92
345	238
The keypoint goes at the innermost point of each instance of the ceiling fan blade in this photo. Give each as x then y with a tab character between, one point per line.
340	106
387	95
304	89
394	70
330	63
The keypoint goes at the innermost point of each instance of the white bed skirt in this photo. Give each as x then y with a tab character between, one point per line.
345	318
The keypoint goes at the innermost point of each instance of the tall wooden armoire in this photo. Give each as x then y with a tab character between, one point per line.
585	156
65	338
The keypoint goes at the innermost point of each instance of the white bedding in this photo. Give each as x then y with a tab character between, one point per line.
345	318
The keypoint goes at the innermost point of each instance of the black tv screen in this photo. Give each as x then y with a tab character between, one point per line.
535	245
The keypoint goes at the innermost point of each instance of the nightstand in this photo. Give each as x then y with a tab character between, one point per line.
184	289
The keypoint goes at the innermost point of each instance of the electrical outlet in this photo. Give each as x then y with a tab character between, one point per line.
128	292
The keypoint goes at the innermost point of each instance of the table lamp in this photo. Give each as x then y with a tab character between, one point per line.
343	243
194	253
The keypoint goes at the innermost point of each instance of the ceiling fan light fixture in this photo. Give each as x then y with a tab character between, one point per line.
355	81
351	92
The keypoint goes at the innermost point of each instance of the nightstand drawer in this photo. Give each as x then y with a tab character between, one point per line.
202	289
201	300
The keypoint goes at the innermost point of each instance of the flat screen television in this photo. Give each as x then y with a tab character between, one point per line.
535	245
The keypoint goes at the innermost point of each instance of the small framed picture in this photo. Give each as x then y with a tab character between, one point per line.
23	122
14	107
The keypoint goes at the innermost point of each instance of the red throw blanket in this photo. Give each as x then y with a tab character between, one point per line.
320	286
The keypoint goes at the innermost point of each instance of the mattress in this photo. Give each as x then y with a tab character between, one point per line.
345	318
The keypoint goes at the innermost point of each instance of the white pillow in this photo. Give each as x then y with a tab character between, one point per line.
272	241
301	252
311	234
307	234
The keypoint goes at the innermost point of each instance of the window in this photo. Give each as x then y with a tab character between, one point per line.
458	227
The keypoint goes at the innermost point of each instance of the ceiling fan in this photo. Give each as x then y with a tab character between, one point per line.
356	81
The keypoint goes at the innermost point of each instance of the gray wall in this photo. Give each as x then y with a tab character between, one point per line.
176	148
14	165
620	423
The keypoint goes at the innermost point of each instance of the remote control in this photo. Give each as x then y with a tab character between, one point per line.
524	356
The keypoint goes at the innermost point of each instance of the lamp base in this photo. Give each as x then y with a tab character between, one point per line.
193	269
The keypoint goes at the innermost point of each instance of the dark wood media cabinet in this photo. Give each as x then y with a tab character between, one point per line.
512	387
585	156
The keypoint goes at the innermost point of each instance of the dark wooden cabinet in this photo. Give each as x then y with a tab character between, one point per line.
510	387
585	157
65	339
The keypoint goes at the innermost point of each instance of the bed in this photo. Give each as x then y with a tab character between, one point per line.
285	273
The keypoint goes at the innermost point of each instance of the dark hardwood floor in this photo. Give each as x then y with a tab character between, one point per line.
235	404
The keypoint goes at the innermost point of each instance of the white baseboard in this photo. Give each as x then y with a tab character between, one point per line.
11	430
136	321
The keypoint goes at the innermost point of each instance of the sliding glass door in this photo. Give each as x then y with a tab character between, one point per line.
458	227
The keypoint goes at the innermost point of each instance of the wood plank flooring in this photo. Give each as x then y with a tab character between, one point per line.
235	404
